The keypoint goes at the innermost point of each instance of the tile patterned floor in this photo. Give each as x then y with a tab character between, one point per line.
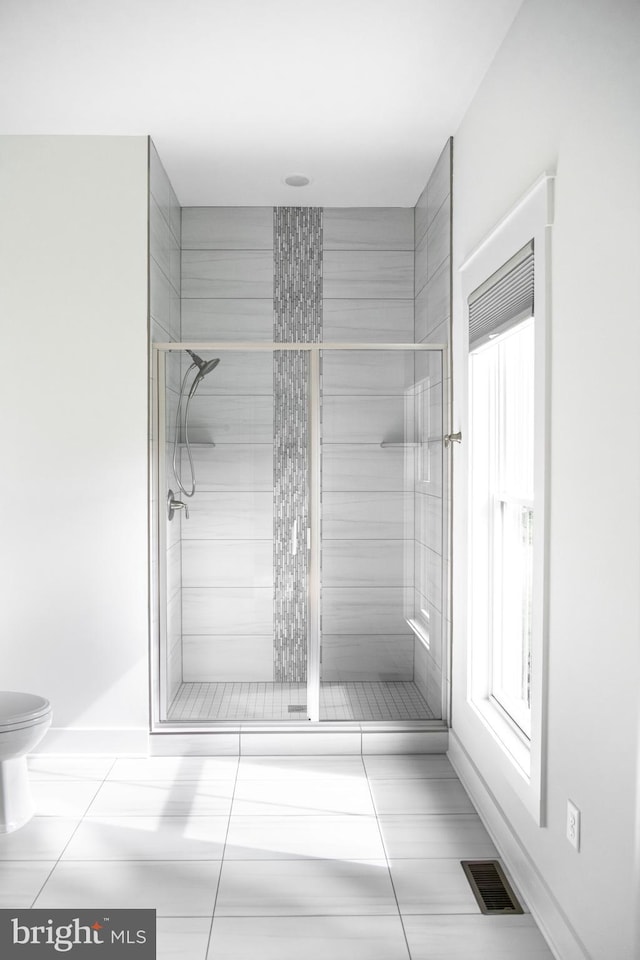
370	700
356	858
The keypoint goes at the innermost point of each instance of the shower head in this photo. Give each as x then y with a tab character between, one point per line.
204	367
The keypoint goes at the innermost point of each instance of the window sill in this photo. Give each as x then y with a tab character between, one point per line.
515	746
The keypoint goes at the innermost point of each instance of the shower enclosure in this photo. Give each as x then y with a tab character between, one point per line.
308	581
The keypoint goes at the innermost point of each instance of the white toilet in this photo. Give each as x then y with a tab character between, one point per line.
24	720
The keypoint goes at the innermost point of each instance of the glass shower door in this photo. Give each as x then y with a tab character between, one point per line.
306	582
236	643
382	514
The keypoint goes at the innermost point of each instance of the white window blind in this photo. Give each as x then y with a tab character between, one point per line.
505	298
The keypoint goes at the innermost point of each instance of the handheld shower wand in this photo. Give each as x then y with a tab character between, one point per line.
204	367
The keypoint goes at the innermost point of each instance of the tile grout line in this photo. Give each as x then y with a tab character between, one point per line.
384	848
224	847
75	830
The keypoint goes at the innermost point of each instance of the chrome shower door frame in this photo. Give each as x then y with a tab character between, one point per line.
158	679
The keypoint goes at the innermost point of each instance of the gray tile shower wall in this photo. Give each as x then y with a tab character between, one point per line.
164	249
368	228
227	543
340	275
432	325
367	505
164	308
432	252
368	275
227	273
227	228
239	234
332	275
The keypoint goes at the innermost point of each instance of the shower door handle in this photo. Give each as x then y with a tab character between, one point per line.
294	538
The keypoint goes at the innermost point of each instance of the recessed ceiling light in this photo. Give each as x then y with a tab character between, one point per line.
297	180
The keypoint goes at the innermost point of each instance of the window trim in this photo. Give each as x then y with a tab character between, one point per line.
482	722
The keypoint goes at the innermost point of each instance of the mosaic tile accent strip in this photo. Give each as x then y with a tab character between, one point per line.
297	318
290	517
297	274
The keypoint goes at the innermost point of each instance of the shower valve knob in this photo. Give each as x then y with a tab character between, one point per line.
173	505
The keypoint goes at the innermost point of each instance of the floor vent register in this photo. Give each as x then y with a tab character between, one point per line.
490	887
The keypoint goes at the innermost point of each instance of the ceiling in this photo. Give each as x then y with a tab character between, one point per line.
358	95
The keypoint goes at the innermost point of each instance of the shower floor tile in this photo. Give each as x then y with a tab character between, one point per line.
353	700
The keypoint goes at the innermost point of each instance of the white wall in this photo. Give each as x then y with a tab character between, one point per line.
562	94
73	402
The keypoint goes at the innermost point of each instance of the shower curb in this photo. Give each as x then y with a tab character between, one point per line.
316	740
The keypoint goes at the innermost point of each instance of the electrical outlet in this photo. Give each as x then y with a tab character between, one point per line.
573	825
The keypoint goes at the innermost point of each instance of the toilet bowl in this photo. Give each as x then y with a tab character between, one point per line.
24	720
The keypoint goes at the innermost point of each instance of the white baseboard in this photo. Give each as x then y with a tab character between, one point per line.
122	742
562	939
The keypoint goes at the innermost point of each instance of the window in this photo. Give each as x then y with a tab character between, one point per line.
502	517
502	427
